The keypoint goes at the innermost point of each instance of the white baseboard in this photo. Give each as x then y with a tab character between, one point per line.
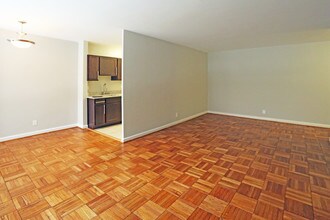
7	138
162	127
16	136
272	119
82	126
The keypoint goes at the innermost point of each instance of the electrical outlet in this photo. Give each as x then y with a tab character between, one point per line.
176	114
34	122
263	111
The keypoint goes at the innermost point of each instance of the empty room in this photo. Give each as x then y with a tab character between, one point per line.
165	109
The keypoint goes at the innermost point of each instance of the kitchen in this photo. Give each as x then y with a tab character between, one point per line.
104	86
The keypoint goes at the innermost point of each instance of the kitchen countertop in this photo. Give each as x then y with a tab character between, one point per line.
104	96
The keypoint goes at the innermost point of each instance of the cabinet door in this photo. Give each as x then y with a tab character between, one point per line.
108	66
119	69
99	113
113	110
93	63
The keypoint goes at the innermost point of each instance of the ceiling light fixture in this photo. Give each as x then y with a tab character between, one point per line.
21	42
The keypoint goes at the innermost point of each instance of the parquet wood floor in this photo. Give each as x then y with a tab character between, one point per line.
212	167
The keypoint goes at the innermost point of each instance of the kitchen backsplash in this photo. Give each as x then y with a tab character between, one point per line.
95	87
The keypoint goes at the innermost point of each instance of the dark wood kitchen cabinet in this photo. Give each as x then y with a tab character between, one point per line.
103	66
103	112
93	67
119	66
99	112
108	66
96	113
113	110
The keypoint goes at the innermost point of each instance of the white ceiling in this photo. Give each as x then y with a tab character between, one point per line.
207	25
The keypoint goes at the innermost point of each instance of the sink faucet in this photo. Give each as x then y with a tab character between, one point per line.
104	89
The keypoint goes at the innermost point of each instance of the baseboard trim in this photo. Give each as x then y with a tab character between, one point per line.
22	135
82	126
162	127
272	119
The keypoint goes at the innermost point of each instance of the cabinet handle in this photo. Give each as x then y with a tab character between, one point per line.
104	110
98	72
100	102
117	71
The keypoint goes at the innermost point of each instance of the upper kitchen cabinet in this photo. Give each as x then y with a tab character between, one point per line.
118	76
108	66
103	66
93	67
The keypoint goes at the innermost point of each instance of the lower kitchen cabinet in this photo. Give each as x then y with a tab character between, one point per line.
99	108
103	112
113	110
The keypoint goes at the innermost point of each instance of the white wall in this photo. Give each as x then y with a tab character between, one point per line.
37	83
290	82
160	79
82	84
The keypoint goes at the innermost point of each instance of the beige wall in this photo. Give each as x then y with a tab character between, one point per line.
289	82
95	87
105	50
160	79
39	83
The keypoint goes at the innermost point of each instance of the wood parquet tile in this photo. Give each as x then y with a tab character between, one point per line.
211	167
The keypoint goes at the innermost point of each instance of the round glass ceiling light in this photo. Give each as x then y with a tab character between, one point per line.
21	42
